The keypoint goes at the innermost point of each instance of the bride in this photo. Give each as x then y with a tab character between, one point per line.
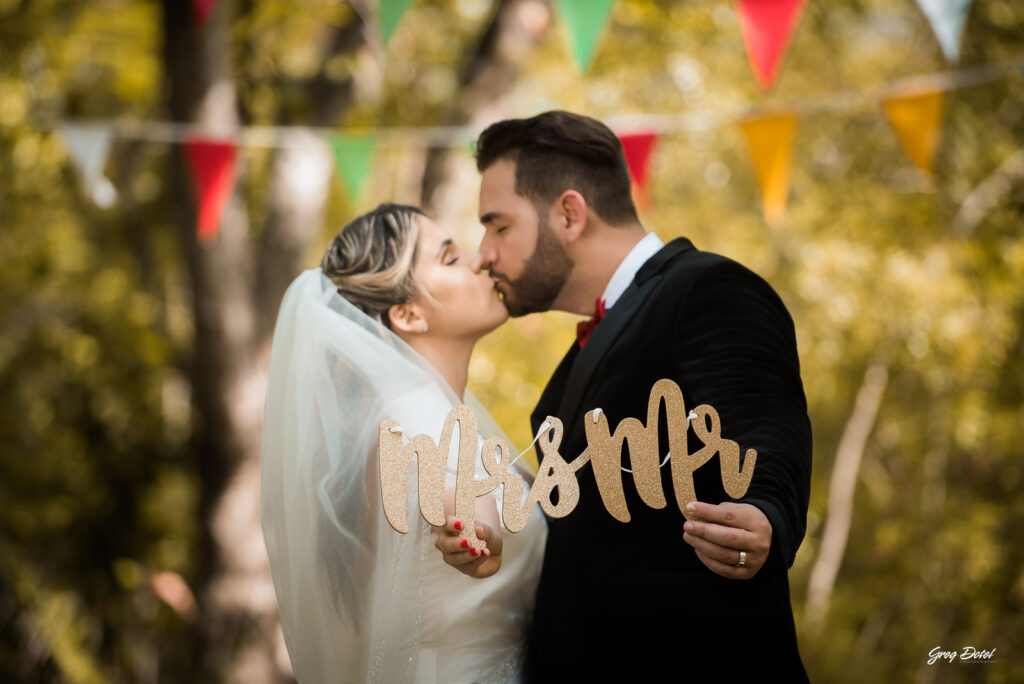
384	329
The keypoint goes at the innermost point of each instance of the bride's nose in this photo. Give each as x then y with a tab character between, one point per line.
476	261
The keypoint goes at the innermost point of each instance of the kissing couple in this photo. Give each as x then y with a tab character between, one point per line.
386	327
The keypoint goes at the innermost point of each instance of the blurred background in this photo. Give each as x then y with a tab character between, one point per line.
884	203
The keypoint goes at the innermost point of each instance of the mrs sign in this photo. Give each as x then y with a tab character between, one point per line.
604	452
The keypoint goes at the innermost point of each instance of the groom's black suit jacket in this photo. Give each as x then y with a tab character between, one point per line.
632	599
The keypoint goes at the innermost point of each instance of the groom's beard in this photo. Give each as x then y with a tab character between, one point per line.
542	278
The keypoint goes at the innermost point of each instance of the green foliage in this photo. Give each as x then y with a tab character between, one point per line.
95	481
97	478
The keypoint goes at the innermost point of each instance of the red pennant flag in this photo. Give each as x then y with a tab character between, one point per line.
201	10
213	171
637	148
767	28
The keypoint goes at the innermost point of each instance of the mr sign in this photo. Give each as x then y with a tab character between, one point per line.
604	452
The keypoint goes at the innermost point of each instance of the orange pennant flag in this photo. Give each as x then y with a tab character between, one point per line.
770	140
916	119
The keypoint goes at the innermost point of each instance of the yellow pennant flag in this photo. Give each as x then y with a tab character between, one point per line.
916	120
770	140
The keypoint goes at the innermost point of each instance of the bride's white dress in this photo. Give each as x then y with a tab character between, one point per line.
473	629
360	602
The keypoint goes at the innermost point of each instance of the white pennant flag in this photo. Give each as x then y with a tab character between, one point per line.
947	18
88	146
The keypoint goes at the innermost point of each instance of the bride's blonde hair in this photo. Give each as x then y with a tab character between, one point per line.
371	259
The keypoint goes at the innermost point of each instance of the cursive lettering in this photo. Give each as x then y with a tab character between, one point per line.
604	449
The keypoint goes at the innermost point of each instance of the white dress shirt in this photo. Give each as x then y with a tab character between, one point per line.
634	261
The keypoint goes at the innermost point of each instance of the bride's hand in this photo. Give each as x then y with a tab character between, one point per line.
456	551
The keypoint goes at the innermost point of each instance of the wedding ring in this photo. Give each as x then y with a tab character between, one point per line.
742	562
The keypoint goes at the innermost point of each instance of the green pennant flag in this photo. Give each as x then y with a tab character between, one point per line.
389	13
585	19
353	155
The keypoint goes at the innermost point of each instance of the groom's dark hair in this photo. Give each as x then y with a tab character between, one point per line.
558	151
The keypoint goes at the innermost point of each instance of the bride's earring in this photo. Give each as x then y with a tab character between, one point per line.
425	328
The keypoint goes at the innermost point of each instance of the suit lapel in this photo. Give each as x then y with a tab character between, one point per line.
605	334
565	390
552	395
600	342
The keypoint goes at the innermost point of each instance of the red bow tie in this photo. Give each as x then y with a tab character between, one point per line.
584	329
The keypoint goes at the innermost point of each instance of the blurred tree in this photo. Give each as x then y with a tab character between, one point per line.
236	285
131	359
486	79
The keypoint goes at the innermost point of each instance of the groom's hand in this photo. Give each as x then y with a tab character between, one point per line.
723	531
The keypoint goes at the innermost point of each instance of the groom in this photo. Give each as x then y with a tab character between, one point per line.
660	596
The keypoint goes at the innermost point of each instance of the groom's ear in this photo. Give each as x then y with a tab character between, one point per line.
571	215
406	318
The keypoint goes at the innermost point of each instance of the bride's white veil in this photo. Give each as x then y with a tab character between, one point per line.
349	587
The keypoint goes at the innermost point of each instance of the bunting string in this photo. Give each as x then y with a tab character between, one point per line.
661	124
913	107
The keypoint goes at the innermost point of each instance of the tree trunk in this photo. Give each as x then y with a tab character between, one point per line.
236	294
841	488
237	612
299	184
989	194
237	290
485	86
300	178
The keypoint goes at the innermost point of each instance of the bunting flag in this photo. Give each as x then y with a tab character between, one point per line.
770	140
767	27
585	19
916	119
88	148
915	114
201	10
213	172
947	18
389	13
637	148
353	155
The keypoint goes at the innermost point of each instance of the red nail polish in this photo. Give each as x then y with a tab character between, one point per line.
457	525
472	552
465	543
